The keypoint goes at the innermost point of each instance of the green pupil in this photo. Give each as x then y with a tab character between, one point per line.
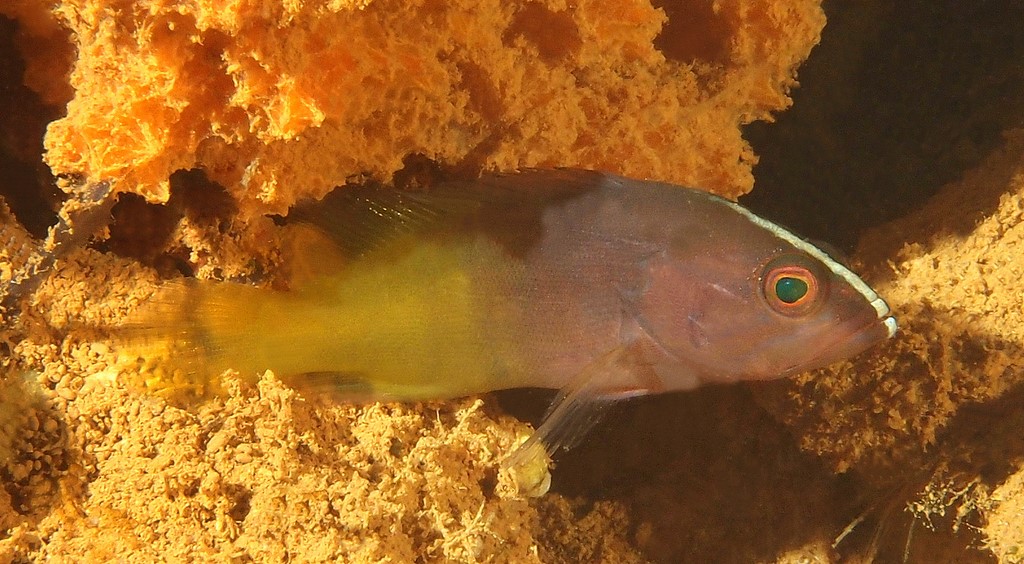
790	290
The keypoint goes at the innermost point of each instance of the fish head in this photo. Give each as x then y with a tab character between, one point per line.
749	302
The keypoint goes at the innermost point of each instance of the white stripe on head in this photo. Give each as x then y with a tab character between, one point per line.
837	268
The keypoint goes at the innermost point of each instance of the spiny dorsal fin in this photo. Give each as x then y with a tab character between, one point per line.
506	206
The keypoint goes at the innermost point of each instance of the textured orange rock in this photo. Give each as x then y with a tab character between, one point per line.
268	475
957	282
278	101
935	412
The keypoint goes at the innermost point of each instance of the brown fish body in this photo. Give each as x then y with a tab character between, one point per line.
679	275
599	286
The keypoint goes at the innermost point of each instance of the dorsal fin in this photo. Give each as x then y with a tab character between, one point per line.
310	254
507	207
360	219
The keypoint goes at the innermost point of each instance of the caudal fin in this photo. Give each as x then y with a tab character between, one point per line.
162	348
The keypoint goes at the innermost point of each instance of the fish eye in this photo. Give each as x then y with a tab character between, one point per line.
790	287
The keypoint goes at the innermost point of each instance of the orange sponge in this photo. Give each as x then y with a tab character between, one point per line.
282	100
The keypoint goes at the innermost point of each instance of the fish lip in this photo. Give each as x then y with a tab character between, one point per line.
870	329
883	310
890	325
866	334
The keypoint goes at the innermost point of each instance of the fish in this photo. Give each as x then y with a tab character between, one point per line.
599	286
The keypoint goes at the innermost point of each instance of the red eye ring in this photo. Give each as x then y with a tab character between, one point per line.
790	289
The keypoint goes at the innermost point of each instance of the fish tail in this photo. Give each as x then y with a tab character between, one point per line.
166	346
191	332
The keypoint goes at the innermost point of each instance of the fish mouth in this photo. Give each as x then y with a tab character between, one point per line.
891	326
889	321
874	331
853	338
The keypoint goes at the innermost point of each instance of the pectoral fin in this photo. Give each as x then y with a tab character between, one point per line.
579	406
